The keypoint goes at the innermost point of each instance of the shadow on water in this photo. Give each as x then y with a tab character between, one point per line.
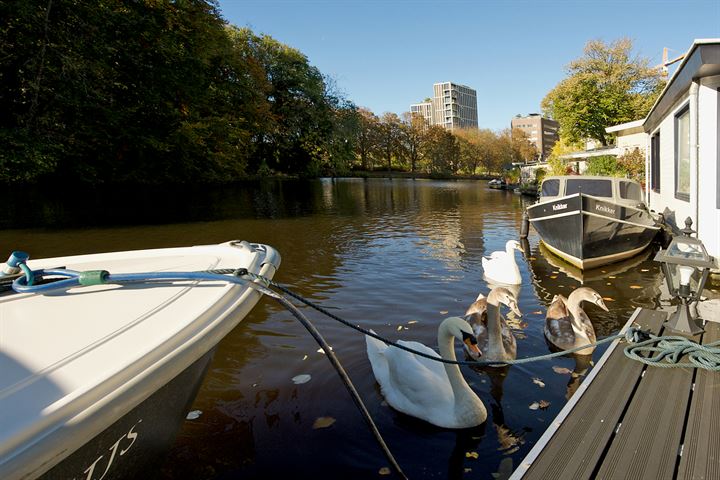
397	256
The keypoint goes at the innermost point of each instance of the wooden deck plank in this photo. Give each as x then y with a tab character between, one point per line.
647	444
701	451
580	440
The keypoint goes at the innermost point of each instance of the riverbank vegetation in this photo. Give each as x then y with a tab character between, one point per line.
168	92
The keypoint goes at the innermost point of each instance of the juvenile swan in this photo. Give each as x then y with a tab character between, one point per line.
494	337
501	266
567	325
432	391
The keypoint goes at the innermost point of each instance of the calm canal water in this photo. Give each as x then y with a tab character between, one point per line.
394	255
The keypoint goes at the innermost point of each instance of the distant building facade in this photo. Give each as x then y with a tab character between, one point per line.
542	132
424	110
452	106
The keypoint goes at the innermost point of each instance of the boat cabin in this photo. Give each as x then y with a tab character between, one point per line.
622	191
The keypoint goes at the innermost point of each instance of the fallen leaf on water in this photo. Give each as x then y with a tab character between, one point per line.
553	276
555	272
412	321
644	269
544	404
539	312
320	350
300	379
384	471
533	258
608	283
538	382
612	276
305	357
534	406
608	299
443	312
471	455
635	287
323	422
562	370
399	328
194	415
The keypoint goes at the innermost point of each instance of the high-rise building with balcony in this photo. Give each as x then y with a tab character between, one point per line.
452	106
542	132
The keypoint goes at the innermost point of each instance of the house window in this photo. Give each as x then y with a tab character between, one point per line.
682	155
655	162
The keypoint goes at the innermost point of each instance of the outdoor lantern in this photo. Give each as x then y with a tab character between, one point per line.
684	256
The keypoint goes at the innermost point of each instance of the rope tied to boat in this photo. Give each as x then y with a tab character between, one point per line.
667	353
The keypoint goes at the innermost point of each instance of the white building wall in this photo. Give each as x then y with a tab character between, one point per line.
708	225
704	175
632	141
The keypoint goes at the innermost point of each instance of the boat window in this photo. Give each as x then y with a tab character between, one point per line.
630	191
550	188
594	187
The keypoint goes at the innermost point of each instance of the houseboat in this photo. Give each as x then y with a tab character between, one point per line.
591	221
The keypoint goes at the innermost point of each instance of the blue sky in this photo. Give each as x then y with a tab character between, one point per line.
386	55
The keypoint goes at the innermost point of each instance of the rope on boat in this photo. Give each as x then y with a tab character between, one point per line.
669	349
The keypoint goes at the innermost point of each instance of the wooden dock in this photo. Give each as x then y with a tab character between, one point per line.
632	421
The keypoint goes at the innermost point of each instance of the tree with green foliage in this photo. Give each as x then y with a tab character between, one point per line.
607	86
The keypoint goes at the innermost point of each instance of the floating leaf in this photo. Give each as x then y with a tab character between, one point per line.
555	272
553	276
534	406
321	350
399	328
471	455
539	312
194	415
300	379
538	382
608	299
384	471
443	312
635	287
323	422
644	269
608	283
561	370
544	404
412	321
612	276
533	258
305	357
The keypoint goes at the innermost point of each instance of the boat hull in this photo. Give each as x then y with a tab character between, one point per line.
131	447
588	232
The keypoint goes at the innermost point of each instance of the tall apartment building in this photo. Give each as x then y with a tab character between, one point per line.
542	132
452	106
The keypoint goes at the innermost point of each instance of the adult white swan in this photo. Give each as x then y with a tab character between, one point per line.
567	325
501	266
494	337
432	391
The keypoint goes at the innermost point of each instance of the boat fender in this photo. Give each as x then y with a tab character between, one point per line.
12	266
93	277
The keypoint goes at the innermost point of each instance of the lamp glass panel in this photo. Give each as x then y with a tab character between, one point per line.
691	251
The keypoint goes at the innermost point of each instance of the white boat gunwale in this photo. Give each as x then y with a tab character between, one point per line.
73	420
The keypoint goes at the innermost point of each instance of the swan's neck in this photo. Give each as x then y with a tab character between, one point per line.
509	250
460	387
495	347
578	315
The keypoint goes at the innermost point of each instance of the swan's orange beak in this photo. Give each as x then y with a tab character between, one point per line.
472	348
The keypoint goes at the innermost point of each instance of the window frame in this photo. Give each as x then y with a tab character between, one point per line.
655	162
681	195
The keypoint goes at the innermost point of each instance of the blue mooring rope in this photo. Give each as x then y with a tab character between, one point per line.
666	350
